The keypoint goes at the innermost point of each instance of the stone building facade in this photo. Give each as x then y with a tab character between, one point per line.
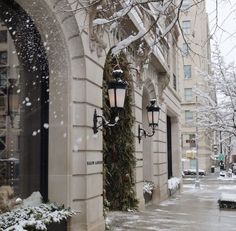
65	157
195	57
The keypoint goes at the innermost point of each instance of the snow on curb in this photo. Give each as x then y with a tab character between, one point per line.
173	185
227	201
228	197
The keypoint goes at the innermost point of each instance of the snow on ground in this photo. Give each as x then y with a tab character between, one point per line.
180	213
169	202
227	187
227	178
228	197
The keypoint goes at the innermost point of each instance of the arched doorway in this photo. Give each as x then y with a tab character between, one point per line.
24	87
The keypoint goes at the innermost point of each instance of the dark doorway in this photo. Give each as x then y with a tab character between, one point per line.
169	147
27	112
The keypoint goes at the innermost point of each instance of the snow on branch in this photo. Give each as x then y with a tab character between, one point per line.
217	103
126	42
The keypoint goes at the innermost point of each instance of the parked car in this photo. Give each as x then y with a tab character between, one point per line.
222	173
192	172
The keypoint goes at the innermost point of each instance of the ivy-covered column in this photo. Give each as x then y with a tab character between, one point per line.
118	144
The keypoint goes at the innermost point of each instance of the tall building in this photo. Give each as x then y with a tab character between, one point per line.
195	56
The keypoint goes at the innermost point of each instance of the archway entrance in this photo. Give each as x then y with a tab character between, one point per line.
24	96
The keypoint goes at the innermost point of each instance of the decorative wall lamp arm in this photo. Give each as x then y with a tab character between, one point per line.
116	94
153	112
100	121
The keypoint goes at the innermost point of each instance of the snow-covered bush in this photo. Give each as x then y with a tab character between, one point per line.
34	217
173	183
148	187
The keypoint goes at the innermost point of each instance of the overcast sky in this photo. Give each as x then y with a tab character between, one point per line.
225	34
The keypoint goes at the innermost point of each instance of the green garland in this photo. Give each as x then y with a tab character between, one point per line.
118	145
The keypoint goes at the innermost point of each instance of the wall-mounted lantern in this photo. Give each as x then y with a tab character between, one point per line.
116	94
153	112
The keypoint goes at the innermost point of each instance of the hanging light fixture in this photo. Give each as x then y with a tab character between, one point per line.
116	93
153	112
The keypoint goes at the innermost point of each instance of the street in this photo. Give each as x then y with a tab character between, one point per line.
193	209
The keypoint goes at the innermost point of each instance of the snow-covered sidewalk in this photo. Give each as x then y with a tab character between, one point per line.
194	209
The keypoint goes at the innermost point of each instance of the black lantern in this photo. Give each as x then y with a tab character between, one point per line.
116	94
117	90
153	112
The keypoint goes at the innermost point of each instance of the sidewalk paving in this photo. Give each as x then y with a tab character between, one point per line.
191	210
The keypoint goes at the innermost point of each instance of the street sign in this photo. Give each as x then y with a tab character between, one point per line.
221	157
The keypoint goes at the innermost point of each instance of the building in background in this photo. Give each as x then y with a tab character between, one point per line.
195	57
9	111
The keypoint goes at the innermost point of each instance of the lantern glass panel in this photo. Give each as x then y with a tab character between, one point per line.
111	95
120	97
153	117
150	117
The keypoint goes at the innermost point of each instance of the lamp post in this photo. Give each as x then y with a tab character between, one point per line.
153	112
197	181
116	93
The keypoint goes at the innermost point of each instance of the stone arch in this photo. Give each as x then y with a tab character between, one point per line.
150	88
60	34
148	93
31	79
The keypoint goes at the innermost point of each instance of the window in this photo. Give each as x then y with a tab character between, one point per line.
186	27
3	57
188	94
193	164
3	36
185	4
187	71
3	76
186	49
192	137
188	116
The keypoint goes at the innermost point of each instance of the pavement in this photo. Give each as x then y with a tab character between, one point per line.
191	210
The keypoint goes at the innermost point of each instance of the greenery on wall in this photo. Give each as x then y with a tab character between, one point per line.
118	144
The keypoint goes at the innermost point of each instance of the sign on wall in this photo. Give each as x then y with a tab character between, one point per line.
191	154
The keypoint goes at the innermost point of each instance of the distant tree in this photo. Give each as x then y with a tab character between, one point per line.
216	110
